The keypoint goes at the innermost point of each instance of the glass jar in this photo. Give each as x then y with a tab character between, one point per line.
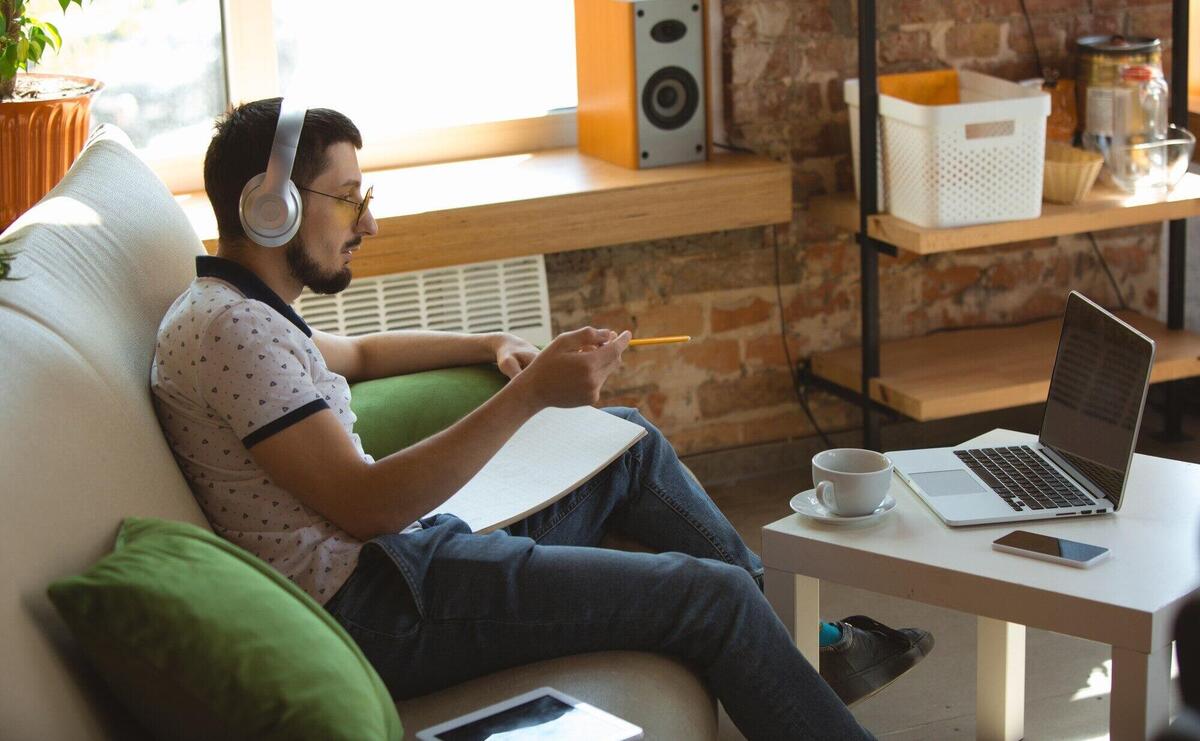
1136	158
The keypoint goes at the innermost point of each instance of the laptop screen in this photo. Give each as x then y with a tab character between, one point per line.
1097	392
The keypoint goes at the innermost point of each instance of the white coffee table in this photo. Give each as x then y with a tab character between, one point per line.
1127	601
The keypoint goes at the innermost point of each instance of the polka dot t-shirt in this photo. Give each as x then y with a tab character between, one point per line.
233	365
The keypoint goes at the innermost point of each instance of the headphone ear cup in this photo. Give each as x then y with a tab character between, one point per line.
269	219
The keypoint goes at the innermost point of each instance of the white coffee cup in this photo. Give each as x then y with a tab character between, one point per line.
851	482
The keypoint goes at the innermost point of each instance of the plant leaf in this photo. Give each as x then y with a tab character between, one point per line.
9	64
47	31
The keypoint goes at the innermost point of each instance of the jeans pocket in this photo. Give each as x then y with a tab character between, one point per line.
376	599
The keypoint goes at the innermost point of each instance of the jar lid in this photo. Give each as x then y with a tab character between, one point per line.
1118	44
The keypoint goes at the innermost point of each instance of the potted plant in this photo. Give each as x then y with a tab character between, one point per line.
44	119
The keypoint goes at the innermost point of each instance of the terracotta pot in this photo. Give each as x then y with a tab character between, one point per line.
39	139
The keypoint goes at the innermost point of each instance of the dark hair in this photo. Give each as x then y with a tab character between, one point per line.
241	147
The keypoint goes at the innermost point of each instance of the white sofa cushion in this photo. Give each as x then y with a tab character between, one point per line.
101	257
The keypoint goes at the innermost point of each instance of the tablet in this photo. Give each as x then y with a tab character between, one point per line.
544	714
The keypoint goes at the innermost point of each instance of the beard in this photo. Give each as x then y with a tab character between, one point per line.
310	274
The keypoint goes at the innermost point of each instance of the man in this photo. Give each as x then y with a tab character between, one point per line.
255	405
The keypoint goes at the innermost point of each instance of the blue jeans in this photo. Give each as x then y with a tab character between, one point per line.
439	606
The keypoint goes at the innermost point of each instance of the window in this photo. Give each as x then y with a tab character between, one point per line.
425	82
137	49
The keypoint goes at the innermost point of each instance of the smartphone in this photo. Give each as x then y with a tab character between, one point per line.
1048	548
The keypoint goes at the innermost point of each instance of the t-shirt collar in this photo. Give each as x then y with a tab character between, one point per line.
251	286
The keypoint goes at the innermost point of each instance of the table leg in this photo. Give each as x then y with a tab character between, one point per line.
796	600
1000	681
1141	686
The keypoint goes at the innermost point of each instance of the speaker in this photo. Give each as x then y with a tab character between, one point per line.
270	206
643	87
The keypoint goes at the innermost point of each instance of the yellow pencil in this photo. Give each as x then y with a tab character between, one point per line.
659	340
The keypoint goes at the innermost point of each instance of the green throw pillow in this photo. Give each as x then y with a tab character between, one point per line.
203	640
396	412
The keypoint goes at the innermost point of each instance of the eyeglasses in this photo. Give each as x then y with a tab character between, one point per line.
360	205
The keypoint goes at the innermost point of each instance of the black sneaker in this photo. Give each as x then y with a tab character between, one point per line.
870	656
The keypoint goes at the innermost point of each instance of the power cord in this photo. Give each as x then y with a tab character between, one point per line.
734	148
1104	264
787	353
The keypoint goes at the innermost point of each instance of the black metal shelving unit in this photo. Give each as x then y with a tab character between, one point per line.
868	75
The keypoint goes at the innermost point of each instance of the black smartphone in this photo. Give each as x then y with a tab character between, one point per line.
1049	548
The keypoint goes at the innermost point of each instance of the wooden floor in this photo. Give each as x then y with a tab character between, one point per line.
1067	680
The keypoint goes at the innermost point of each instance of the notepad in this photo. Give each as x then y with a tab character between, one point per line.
552	454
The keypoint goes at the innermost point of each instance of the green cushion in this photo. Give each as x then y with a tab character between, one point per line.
396	412
203	640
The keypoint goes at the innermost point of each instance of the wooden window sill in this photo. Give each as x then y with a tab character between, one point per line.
551	201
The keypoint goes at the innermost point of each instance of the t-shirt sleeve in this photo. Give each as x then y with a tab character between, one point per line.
254	372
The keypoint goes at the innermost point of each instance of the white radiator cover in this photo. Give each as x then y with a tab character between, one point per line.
501	295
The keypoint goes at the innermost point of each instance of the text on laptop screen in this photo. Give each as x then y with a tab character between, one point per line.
1096	394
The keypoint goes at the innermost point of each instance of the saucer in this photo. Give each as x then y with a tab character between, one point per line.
805	503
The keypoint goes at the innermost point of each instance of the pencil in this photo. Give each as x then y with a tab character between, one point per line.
659	340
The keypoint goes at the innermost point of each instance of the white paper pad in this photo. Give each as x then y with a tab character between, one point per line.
554	452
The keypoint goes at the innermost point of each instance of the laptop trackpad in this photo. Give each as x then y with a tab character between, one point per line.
947	483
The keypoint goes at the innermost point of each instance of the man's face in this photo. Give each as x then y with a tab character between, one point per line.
320	253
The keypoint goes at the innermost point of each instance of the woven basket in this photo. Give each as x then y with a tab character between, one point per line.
1069	173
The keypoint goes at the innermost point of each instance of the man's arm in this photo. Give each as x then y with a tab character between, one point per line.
383	354
316	460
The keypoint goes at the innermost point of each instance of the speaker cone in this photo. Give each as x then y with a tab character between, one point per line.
670	98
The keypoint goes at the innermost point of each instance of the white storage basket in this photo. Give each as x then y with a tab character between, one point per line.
972	162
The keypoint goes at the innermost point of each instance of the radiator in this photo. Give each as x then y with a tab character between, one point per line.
502	295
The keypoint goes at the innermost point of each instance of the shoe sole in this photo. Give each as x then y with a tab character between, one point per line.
871	681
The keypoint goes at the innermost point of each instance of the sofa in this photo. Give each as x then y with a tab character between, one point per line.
99	260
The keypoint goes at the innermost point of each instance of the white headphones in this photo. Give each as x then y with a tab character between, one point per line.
269	208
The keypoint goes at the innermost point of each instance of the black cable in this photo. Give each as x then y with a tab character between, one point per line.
1104	264
734	148
787	353
1033	40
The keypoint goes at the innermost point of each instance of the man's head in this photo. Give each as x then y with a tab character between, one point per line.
326	172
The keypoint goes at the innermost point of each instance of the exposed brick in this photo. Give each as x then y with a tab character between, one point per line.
1154	20
721	357
784	63
680	317
783	425
649	400
697	437
754	311
973	40
905	46
895	12
813	16
765	387
976	10
763	19
949	281
768	350
837	54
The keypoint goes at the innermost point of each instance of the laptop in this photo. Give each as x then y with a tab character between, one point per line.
1080	462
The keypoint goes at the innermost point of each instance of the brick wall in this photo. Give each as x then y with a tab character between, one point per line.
784	63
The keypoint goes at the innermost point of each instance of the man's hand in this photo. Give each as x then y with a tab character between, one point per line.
573	368
513	354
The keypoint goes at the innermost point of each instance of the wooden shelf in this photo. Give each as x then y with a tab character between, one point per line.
952	373
550	201
1104	208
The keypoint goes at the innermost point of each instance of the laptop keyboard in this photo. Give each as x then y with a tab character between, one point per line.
1022	478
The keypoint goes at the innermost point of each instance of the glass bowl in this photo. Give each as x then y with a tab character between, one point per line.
1144	165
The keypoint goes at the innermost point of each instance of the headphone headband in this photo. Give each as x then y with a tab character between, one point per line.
283	149
270	206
